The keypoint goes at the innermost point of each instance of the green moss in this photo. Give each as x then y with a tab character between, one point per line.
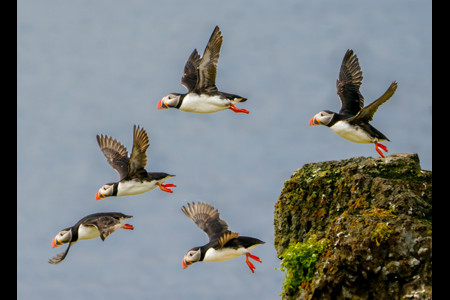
381	233
299	262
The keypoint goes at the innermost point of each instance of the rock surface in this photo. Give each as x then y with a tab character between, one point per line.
377	214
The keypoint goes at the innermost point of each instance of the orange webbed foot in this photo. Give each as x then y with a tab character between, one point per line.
165	187
238	110
249	263
382	147
128	226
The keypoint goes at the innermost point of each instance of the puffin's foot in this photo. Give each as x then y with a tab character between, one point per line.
165	187
382	147
249	263
238	110
128	226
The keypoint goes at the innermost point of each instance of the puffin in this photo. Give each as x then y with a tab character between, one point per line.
352	121
199	78
134	179
223	244
90	227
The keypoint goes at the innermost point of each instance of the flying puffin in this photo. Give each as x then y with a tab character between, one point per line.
89	227
352	121
223	244
199	77
134	179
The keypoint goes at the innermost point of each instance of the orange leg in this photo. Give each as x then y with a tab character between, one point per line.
249	263
382	147
128	226
165	187
238	110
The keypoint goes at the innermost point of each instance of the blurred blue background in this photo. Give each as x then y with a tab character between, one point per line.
98	67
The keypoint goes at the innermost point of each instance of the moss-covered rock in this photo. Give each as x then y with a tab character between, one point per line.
376	212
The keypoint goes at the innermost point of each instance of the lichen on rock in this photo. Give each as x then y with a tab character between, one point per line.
376	213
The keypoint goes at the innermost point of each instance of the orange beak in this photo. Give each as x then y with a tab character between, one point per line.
99	196
314	122
162	105
185	263
55	243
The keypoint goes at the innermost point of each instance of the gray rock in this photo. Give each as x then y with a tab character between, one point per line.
376	212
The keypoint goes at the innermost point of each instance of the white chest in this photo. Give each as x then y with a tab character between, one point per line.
223	254
203	104
129	188
87	232
352	133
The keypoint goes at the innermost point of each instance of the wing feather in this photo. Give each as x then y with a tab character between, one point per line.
206	218
367	112
138	158
189	78
116	154
106	223
207	68
60	257
349	83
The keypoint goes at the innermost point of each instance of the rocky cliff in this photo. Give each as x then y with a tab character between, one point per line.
359	228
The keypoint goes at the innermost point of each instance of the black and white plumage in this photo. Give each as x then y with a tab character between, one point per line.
90	227
223	244
199	78
134	179
352	121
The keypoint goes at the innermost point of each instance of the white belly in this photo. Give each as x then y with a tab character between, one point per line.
87	232
130	188
203	104
225	254
348	132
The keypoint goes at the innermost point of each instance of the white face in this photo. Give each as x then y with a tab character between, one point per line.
322	118
63	237
105	191
171	100
192	256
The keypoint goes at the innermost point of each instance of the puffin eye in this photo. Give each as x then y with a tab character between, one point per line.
321	114
104	188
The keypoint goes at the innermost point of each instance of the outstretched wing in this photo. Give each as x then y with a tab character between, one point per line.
60	257
138	158
367	112
116	154
348	84
206	218
189	78
207	69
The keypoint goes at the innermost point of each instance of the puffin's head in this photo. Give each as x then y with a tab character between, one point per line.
192	256
169	101
106	191
322	118
63	237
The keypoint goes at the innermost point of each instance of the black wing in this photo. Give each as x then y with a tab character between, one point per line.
348	84
367	112
105	222
138	158
60	257
116	154
207	219
207	69
189	79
